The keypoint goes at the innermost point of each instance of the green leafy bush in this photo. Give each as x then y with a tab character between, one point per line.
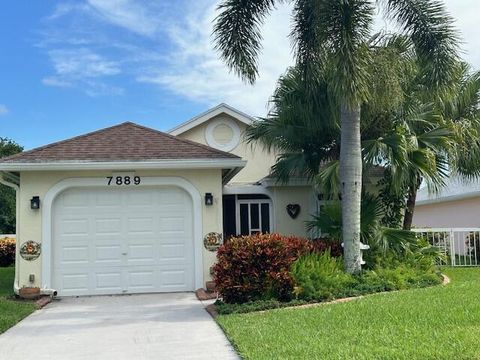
320	277
7	251
257	267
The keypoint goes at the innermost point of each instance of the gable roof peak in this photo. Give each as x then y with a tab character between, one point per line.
221	108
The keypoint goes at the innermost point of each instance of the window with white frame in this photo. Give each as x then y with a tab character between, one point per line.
254	216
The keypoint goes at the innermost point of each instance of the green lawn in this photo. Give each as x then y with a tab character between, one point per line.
11	311
442	322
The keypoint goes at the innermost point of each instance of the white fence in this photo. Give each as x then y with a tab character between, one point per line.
461	246
7	236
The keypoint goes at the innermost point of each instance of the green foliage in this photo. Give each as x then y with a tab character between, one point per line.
320	277
7	195
380	238
11	311
393	201
251	306
9	147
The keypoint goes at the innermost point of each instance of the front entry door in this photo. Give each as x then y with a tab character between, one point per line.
254	216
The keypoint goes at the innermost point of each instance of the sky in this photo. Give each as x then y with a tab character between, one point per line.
69	67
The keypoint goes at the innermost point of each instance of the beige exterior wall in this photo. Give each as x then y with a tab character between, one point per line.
259	161
459	213
38	183
282	196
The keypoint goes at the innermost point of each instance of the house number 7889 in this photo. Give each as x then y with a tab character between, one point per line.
124	180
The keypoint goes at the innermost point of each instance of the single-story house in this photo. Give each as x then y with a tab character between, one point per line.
457	205
130	209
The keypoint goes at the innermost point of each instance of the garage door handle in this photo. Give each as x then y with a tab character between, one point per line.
124	253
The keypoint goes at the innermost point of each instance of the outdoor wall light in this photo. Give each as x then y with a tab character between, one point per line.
208	199
35	203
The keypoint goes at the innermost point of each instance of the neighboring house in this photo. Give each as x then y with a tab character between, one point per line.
126	209
455	206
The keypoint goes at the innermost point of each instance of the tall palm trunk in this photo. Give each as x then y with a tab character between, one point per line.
411	200
351	182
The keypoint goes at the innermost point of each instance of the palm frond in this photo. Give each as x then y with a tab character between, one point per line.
431	30
237	34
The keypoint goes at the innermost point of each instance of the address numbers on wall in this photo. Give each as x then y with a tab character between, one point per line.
123	180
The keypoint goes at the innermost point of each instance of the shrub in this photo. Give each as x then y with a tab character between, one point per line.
257	267
402	277
7	251
321	245
320	277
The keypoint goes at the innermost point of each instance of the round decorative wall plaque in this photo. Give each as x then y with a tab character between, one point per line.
30	250
212	241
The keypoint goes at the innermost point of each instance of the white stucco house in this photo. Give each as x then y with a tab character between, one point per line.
126	209
457	205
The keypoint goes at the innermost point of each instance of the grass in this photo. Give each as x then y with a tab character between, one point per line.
442	322
11	311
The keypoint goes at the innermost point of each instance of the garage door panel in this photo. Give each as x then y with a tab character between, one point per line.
141	226
174	279
168	224
108	254
74	226
75	198
141	254
123	240
107	198
174	253
111	280
142	280
140	198
74	283
112	226
74	255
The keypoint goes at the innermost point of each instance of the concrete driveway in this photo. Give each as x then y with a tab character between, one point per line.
160	326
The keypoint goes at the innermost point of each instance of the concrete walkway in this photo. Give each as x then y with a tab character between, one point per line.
160	326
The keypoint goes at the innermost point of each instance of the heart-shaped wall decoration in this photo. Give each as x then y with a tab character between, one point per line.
293	210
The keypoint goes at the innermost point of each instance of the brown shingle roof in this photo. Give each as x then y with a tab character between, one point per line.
123	142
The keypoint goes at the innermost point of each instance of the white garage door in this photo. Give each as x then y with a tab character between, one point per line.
122	240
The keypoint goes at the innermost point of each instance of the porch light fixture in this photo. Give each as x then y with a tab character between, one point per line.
208	199
35	203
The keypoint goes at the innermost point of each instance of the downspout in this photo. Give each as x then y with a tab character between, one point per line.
16	284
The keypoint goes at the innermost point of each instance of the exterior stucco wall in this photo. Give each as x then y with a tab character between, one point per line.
301	195
38	183
460	213
259	161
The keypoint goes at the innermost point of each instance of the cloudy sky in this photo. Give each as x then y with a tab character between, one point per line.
68	67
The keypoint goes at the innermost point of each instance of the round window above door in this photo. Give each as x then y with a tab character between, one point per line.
223	134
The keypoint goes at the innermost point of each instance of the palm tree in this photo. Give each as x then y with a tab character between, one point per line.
453	147
333	34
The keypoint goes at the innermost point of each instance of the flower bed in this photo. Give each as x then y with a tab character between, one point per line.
7	251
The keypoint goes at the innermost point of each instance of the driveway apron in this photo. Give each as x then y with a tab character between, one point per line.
150	326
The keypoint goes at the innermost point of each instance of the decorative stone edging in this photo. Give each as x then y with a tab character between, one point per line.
43	301
203	294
